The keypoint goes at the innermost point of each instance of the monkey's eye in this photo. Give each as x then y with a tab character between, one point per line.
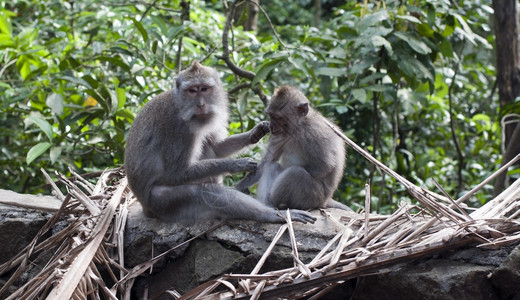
192	90
203	89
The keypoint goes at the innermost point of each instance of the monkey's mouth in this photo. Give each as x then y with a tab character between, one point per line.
203	113
275	130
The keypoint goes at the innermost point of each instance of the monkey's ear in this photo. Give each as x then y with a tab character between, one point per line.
177	83
302	109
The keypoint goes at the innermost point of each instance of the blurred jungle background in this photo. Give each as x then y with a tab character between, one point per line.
428	87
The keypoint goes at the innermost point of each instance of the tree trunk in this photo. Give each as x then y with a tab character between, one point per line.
317	13
508	68
252	16
250	22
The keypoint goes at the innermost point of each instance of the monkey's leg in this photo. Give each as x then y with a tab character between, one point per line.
296	188
189	203
270	172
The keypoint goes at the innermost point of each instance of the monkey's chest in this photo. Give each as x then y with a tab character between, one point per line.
291	158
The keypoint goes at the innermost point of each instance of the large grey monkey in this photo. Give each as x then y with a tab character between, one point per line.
305	159
175	155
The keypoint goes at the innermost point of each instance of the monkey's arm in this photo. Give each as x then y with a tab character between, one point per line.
208	168
274	151
249	180
237	142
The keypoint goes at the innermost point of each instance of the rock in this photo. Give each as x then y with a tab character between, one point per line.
236	247
148	237
506	278
430	279
203	261
18	226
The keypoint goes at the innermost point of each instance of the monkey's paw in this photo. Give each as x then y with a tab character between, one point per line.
302	216
246	165
259	131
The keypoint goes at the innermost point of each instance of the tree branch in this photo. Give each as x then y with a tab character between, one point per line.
508	155
452	128
185	16
226	57
225	45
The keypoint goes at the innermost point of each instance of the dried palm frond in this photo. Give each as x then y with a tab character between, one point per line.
93	238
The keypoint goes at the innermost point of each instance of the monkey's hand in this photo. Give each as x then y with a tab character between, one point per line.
245	165
258	132
244	184
302	216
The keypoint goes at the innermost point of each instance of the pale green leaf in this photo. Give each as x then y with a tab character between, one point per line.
378	41
55	102
36	151
360	95
333	72
55	154
44	126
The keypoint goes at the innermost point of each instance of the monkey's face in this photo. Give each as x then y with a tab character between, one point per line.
282	118
286	116
278	124
201	97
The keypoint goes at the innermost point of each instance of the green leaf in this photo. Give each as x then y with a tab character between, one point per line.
55	102
98	98
76	81
23	66
125	114
55	154
370	20
121	97
5	25
36	151
141	29
175	31
378	41
92	83
116	60
341	109
242	102
265	69
44	126
446	48
333	72
360	95
416	44
466	30
408	18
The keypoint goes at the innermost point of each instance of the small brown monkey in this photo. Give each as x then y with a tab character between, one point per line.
175	155
305	159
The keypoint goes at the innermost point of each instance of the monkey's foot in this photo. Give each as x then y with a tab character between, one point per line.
302	216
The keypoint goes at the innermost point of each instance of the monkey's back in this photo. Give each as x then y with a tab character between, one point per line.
326	156
153	133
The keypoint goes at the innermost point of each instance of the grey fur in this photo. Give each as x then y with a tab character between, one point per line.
175	155
305	159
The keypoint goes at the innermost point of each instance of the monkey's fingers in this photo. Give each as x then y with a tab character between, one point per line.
302	216
259	131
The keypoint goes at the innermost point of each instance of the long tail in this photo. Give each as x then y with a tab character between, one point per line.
335	204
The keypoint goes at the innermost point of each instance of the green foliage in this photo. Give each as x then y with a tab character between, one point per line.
75	74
